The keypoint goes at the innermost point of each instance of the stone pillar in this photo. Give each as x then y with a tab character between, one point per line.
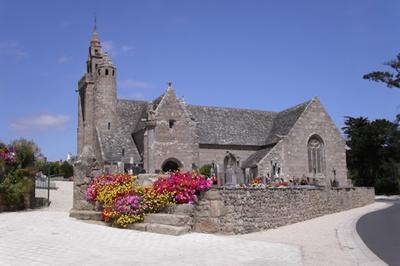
149	146
85	169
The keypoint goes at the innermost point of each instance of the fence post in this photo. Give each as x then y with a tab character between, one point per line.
48	190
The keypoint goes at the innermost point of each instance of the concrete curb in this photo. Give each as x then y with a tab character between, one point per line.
351	243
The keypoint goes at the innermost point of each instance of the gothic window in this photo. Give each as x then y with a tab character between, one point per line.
316	162
171	123
113	72
106	72
123	152
109	125
99	72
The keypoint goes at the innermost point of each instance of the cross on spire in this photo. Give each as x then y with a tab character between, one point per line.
95	23
95	42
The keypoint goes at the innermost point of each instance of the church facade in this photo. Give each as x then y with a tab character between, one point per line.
167	133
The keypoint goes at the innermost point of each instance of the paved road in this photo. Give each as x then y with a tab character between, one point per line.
380	231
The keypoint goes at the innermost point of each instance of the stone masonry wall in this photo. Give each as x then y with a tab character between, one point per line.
315	120
178	142
246	210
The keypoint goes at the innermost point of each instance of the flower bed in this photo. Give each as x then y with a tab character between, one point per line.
124	202
268	182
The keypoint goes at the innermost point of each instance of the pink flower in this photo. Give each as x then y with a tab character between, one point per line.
183	185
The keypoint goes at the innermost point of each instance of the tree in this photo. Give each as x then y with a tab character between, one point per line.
373	157
17	171
389	78
66	170
25	151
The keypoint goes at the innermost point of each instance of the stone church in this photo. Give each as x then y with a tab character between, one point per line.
168	134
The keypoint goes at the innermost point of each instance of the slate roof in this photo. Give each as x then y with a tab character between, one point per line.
284	121
253	159
231	126
113	141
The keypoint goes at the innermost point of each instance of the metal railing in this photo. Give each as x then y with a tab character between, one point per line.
43	185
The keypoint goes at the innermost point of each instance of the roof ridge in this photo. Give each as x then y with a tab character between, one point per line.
296	106
232	108
132	100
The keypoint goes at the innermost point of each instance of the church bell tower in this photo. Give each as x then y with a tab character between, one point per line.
97	98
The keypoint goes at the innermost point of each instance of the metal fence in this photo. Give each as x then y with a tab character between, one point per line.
43	185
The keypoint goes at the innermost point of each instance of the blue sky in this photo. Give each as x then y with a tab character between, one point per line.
265	55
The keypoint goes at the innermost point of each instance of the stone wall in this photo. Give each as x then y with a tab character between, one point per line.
246	210
177	141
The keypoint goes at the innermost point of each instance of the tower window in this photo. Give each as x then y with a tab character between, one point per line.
171	123
99	72
113	73
109	125
106	72
95	65
123	152
96	51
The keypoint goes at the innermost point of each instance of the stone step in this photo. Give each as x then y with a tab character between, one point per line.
138	226
168	219
86	215
179	209
160	228
167	229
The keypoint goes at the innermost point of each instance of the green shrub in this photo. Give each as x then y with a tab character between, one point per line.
16	191
205	170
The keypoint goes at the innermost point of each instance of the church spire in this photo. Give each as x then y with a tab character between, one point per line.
95	42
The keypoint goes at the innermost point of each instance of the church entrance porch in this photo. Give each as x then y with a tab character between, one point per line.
171	165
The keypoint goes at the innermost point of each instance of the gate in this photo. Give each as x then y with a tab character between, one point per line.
42	191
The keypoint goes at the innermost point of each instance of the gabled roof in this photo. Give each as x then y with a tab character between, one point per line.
254	158
231	126
284	121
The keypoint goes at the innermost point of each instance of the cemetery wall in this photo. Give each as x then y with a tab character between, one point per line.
246	210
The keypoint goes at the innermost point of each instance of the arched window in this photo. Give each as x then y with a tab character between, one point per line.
123	152
316	160
106	72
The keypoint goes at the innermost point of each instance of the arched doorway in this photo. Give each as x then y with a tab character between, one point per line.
171	165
